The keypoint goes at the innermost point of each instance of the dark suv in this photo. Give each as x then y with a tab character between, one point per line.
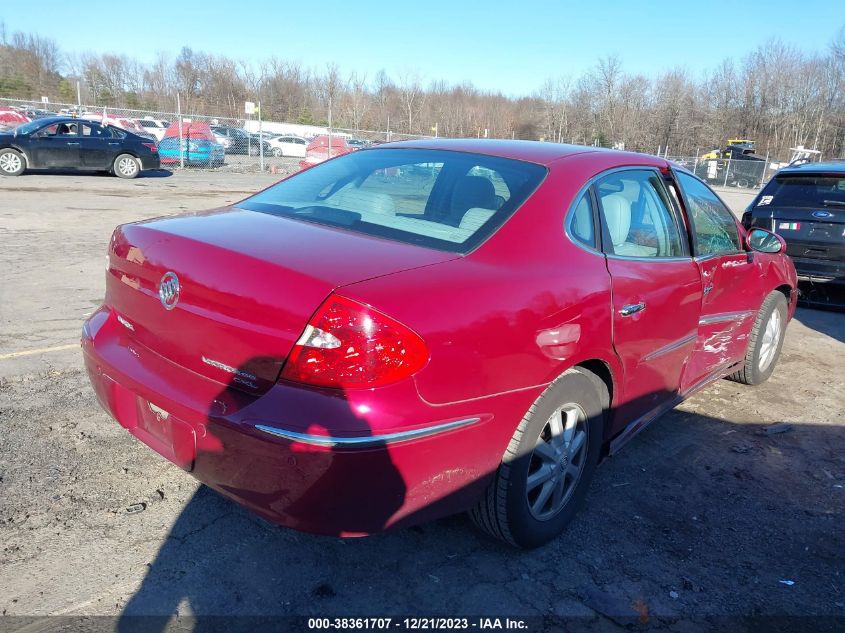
805	204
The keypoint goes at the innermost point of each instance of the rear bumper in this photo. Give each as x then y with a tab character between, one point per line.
150	162
307	459
820	270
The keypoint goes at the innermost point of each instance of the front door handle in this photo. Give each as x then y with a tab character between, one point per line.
114	143
72	143
707	289
632	308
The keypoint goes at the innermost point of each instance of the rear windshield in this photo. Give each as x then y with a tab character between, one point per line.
440	199
804	191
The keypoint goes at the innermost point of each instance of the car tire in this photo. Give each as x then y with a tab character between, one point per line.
126	166
277	152
513	508
765	341
12	162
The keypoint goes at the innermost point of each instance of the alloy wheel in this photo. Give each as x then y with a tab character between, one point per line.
557	462
127	166
10	163
771	340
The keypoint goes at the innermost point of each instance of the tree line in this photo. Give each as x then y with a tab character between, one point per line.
777	95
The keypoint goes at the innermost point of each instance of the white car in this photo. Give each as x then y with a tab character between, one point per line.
288	145
156	127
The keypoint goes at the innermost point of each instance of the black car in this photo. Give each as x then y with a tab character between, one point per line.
805	204
240	141
68	143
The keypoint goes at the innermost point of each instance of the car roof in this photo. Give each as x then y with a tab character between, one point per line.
62	119
531	151
829	167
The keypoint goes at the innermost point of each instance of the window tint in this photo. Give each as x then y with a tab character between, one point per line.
713	226
435	198
804	191
581	222
636	213
116	132
95	131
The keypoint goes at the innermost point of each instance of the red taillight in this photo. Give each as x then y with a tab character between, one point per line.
348	345
151	146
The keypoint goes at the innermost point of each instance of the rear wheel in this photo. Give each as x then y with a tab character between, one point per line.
126	166
765	342
548	465
11	163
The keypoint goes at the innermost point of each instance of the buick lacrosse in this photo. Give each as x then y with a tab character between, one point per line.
430	327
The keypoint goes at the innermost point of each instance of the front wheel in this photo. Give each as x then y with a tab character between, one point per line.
547	467
277	152
126	166
11	163
765	342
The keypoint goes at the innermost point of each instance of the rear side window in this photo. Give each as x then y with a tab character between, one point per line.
804	191
581	224
636	213
440	199
713	226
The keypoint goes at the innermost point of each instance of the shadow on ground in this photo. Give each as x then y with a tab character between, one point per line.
692	509
827	321
149	173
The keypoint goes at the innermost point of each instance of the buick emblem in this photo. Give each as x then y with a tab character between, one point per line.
168	290
822	214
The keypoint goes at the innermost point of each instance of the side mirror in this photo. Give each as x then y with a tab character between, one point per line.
765	241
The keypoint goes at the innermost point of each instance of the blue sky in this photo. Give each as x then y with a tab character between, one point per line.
511	46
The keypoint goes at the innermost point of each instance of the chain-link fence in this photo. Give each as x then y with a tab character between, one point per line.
188	139
191	139
743	173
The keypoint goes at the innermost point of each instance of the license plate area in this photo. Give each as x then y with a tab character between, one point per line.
166	434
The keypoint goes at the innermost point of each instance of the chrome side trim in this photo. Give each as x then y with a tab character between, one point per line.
671	347
725	316
365	441
627	434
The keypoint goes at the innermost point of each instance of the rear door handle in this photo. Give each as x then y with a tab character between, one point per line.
114	143
707	289
72	143
632	308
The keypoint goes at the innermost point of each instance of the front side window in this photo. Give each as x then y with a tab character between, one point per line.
713	226
637	217
440	199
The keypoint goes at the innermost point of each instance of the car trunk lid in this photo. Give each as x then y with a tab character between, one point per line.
246	284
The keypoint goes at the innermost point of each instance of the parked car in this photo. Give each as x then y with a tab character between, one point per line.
68	143
238	141
154	127
357	143
124	123
196	146
318	150
433	326
805	204
12	117
288	146
38	113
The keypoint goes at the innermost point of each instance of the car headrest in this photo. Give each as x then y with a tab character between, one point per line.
617	214
473	192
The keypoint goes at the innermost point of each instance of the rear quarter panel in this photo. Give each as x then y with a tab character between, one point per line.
515	313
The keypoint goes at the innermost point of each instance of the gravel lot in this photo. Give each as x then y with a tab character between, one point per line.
702	515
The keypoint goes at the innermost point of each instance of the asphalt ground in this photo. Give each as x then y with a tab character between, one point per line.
702	515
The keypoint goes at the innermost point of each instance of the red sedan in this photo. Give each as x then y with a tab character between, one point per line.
429	327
